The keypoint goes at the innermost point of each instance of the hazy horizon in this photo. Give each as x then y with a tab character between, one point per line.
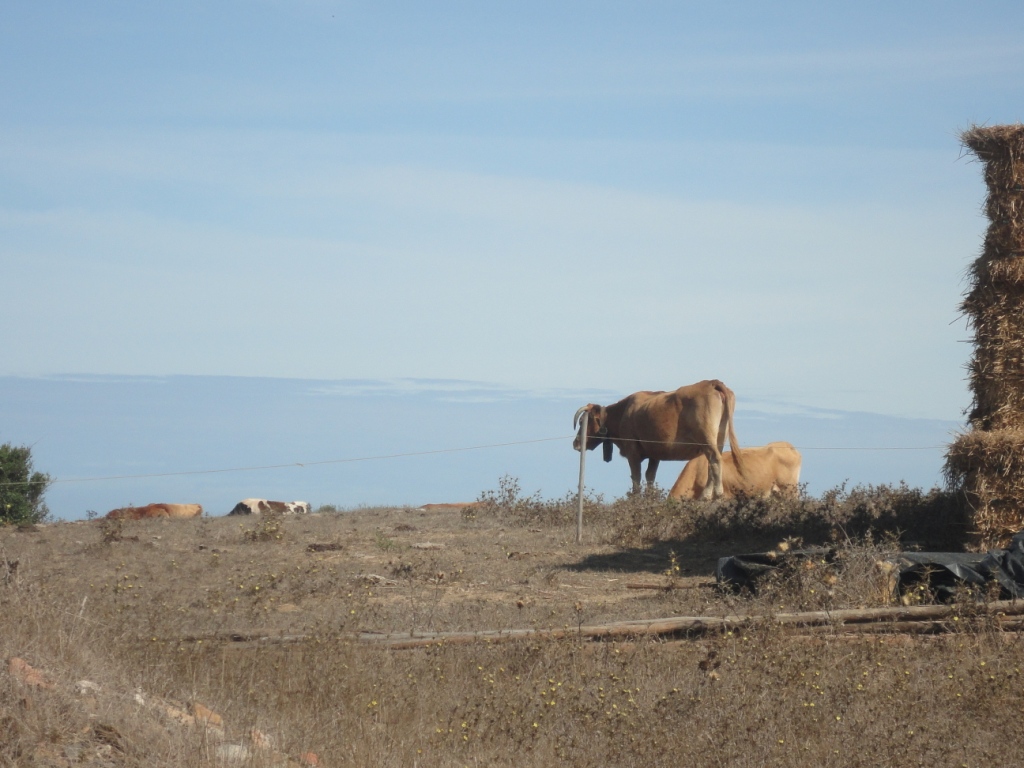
342	442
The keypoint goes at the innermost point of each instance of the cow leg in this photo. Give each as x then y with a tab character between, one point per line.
634	473
652	470
714	488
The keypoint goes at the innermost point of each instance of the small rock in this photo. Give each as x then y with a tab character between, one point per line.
374	578
87	688
233	753
309	758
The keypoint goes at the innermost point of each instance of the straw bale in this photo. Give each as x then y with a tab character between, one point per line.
998	269
988	466
994	305
996	370
1001	149
988	139
987	463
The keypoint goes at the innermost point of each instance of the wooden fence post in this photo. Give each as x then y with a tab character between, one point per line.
583	466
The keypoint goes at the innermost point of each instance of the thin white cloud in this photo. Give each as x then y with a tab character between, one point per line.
634	76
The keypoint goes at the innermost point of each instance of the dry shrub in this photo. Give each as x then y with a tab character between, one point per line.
509	505
269	527
111	529
933	519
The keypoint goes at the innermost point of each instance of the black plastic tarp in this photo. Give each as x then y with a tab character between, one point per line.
740	571
941	572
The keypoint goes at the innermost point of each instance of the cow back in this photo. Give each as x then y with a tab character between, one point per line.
145	512
248	507
674	425
184	510
263	506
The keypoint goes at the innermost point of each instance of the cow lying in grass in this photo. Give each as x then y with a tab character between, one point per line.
156	510
262	506
773	468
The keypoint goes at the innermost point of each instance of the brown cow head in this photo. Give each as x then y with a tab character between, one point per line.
597	429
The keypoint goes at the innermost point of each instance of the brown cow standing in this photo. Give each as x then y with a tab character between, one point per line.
667	426
773	468
156	510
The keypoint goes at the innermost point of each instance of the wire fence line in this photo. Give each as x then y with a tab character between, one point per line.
382	457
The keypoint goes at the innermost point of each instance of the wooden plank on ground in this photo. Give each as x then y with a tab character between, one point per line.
918	619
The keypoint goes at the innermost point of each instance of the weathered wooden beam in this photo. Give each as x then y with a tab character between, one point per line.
668	586
882	619
918	618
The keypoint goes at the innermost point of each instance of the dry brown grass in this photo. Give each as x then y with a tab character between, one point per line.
116	610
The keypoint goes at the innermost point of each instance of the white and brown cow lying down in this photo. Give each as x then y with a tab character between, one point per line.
261	506
156	510
773	468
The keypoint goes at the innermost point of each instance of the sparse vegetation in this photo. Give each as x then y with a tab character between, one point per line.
509	505
269	527
169	614
111	530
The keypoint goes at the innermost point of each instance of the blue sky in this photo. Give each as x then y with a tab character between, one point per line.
545	197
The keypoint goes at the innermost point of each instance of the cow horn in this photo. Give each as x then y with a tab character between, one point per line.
576	418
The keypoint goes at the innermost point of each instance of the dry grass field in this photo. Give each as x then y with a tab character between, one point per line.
238	640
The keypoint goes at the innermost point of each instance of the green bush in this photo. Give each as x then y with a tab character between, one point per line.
21	489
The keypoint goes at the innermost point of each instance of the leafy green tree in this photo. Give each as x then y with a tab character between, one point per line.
21	489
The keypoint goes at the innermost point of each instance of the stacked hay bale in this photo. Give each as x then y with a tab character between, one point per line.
987	462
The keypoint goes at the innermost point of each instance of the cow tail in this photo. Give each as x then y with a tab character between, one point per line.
730	412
